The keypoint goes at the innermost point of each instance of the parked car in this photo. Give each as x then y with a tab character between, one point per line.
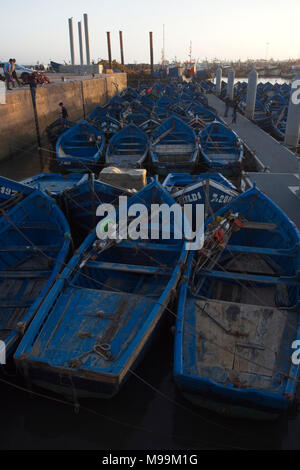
22	72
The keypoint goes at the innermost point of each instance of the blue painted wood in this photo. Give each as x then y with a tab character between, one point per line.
211	189
149	125
173	147
56	128
221	148
262	115
277	247
102	313
101	119
34	244
206	115
81	202
54	184
80	147
127	148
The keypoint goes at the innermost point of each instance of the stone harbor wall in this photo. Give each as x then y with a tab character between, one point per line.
80	96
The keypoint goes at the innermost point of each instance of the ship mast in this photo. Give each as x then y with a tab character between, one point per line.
190	54
163	59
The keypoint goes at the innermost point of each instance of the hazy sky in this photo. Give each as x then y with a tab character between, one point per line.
33	30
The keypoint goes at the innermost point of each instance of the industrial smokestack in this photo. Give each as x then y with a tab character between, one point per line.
151	51
121	47
71	41
87	41
109	49
80	42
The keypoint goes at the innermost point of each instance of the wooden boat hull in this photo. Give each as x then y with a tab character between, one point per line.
80	203
234	333
54	184
34	243
80	148
221	149
210	189
87	385
57	128
173	148
122	314
128	148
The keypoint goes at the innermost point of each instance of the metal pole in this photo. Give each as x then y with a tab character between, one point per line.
82	98
37	127
121	47
251	94
71	41
151	51
87	41
219	80
230	84
80	42
109	49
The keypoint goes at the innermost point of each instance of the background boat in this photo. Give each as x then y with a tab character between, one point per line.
127	148
221	148
34	243
80	204
54	184
173	147
80	147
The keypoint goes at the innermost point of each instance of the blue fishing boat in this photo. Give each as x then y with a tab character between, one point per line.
211	189
34	243
276	102
196	110
101	119
56	128
221	148
162	107
238	312
279	123
127	148
97	115
103	311
197	124
80	203
136	118
149	126
173	147
54	184
262	116
80	147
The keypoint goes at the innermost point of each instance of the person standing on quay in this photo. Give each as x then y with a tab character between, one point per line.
234	112
14	73
8	74
64	112
227	104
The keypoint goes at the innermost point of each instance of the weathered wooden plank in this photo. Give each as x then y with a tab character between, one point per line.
25	274
132	268
291	281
